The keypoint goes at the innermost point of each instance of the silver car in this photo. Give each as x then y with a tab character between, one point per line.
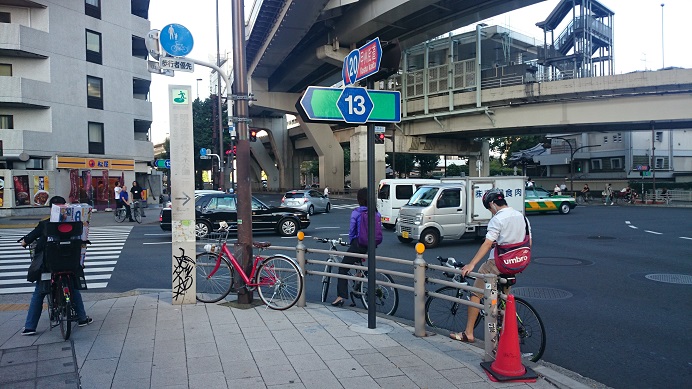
308	200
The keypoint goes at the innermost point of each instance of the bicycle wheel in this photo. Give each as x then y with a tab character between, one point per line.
445	314
279	282
213	285
386	297
580	200
119	215
326	280
531	331
65	310
52	307
137	215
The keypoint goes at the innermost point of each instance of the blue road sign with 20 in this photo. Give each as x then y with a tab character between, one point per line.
176	40
355	105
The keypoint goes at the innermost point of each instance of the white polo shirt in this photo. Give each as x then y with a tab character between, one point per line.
117	192
507	226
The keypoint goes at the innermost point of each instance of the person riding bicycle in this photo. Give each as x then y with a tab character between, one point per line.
136	191
585	191
507	226
36	304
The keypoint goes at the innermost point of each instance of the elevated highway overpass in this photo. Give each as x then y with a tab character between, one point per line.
436	119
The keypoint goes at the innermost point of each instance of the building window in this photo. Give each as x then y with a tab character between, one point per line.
94	92
6	122
660	162
5	69
5	17
605	139
617	137
659	136
96	138
93	46
93	8
615	163
596	164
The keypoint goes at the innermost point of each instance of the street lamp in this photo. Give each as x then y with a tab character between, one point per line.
198	80
572	151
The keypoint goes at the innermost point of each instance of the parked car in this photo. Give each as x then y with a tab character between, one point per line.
308	200
212	208
541	200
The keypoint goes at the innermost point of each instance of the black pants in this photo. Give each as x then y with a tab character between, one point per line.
342	284
128	210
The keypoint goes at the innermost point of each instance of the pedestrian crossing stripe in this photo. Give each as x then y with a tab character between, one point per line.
101	257
344	206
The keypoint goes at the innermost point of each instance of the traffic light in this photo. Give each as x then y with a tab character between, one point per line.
577	166
253	135
232	150
379	138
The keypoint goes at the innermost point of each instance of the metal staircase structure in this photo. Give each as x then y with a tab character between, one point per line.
584	48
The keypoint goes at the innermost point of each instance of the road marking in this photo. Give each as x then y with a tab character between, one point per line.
157	243
164	234
635	227
653	232
685	237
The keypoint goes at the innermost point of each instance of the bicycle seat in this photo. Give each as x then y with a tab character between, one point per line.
261	245
510	279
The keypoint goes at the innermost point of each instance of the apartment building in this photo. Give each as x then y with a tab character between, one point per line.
75	113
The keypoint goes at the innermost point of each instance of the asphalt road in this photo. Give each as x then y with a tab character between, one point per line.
588	280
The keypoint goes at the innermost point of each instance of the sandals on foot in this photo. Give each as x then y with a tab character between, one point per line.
461	336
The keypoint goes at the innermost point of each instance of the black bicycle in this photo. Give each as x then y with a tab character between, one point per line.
386	297
445	314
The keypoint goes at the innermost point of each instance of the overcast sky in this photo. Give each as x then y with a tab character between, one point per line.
638	43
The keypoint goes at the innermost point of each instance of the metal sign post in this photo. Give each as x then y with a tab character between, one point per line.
182	195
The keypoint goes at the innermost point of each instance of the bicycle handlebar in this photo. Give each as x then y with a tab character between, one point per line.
338	241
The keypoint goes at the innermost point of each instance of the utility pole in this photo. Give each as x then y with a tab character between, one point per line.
220	106
241	119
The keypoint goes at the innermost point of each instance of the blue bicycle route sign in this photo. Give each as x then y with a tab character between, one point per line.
176	40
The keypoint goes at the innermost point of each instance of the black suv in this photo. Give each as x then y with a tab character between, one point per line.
212	208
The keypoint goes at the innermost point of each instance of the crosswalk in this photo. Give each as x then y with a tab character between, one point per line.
101	257
344	206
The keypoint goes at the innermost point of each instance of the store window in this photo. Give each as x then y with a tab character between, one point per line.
94	92
93	47
96	138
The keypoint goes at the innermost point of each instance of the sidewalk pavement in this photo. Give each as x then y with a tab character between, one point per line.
100	218
141	340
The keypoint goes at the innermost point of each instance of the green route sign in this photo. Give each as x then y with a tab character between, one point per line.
321	104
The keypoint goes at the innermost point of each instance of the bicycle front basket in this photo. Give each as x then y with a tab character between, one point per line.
63	256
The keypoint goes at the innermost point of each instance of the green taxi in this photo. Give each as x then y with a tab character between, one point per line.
540	200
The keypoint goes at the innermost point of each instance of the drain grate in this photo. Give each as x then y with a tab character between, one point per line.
561	261
541	293
682	279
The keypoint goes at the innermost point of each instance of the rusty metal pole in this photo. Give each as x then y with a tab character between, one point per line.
240	99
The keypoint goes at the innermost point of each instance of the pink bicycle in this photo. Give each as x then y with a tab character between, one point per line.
277	278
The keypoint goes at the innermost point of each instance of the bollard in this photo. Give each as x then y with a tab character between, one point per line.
419	266
300	257
490	302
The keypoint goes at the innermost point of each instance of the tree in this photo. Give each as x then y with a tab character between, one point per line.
404	163
455	170
426	163
507	145
347	161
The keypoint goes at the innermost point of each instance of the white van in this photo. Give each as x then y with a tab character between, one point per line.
453	209
393	193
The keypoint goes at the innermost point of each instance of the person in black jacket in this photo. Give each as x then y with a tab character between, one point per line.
36	304
136	191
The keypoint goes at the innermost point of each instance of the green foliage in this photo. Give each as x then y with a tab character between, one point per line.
403	163
507	145
426	163
497	168
455	170
347	161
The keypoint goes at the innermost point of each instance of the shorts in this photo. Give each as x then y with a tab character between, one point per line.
488	267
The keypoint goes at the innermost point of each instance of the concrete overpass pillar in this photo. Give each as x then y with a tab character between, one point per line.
329	153
484	157
359	160
277	175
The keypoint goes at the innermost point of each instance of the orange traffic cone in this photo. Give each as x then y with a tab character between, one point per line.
507	365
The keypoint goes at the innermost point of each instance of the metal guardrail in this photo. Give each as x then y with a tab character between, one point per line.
420	278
